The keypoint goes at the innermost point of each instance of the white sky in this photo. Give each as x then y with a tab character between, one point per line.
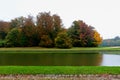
104	15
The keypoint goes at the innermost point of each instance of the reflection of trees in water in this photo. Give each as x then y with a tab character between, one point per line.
91	59
94	59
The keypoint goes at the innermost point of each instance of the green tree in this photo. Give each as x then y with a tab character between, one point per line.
27	31
74	32
23	40
63	41
13	38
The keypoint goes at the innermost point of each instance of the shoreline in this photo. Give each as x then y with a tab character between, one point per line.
60	77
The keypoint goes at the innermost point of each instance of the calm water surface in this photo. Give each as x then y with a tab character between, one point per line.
91	59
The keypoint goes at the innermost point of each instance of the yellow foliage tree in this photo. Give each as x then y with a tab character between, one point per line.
97	38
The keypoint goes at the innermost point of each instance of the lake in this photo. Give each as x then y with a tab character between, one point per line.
82	59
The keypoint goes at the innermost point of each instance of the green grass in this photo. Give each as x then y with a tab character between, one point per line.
58	70
55	50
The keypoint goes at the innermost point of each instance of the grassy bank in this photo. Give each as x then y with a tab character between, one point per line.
55	50
58	70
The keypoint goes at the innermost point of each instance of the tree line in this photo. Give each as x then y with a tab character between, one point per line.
111	42
47	30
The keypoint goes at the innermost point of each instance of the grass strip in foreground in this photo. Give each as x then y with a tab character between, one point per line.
58	70
55	50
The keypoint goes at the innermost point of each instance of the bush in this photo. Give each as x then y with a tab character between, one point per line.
63	41
46	41
2	43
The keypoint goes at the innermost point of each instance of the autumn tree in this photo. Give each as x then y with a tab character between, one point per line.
57	26
46	41
17	22
29	32
4	29
97	38
48	25
82	34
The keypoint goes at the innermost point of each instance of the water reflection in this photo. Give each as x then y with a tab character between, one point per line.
51	59
88	59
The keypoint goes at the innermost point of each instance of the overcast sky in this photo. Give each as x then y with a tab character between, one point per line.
104	15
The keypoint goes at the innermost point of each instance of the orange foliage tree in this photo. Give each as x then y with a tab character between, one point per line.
97	38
